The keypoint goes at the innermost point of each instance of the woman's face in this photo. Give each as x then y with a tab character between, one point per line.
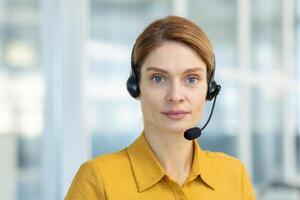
173	79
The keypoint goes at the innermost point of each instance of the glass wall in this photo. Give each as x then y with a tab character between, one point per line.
224	35
21	99
267	92
267	107
266	36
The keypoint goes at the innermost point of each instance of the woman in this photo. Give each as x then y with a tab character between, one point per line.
173	63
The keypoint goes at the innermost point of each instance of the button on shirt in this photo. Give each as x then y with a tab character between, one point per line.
134	173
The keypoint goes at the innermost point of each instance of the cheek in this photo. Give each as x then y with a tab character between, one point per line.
201	90
150	99
199	101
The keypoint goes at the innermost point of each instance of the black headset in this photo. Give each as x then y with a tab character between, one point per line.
133	82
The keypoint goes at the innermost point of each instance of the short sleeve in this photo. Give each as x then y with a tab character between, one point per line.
247	188
87	184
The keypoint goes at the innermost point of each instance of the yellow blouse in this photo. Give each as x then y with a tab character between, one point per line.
135	174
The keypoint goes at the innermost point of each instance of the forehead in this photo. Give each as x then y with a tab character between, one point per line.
173	57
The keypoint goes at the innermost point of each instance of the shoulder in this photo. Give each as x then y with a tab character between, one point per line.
109	161
89	181
94	174
108	158
221	157
222	162
111	166
103	164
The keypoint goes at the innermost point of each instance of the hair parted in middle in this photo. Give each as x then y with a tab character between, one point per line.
173	28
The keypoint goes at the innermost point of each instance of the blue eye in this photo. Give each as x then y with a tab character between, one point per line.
157	79
192	80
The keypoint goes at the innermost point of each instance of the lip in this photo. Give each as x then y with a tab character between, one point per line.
176	114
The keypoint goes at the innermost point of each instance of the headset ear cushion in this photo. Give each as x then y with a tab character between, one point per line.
212	90
132	86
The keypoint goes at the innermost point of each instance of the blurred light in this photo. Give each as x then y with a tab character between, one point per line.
6	114
6	119
28	87
126	118
264	56
31	123
21	54
21	104
28	93
114	53
116	89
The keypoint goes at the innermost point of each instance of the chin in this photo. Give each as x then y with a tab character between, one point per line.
176	128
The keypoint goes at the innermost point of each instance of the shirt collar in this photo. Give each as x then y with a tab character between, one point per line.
202	166
147	170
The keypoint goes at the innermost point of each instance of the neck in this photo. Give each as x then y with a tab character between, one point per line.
173	151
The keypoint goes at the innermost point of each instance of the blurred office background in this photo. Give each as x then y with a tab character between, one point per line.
63	100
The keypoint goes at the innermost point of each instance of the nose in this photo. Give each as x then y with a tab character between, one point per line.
175	94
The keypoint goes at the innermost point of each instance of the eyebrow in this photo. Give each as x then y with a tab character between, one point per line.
195	69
